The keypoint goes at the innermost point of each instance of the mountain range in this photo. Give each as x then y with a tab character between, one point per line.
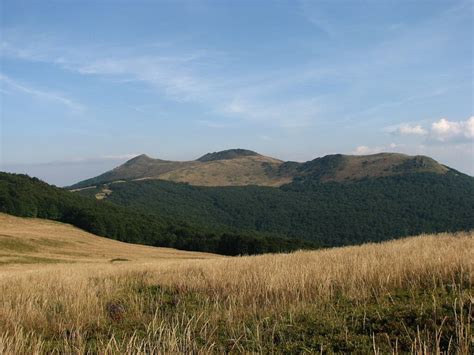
241	167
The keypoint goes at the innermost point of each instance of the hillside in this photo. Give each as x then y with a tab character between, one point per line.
23	196
407	296
330	214
343	168
240	167
25	241
239	171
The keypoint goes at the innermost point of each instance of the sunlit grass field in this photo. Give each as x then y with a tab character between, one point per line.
85	294
39	241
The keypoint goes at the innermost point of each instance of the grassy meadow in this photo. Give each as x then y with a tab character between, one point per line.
412	295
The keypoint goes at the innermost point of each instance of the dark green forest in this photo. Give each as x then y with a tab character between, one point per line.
23	196
332	214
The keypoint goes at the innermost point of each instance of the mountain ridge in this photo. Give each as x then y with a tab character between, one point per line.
242	167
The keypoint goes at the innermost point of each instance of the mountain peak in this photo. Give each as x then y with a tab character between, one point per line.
139	159
227	154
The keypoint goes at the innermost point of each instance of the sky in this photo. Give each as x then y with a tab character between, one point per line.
86	85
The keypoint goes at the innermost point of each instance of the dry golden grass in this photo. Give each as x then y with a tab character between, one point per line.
343	299
37	241
250	170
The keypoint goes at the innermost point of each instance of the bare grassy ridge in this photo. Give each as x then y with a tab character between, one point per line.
234	168
235	172
412	295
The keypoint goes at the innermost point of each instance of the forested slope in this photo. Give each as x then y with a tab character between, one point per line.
23	196
329	213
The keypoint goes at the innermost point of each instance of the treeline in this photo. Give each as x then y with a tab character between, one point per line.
331	214
23	196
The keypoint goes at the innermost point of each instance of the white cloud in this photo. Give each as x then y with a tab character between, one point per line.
444	127
408	129
363	150
450	142
470	127
444	130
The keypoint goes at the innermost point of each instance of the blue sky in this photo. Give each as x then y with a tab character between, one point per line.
85	85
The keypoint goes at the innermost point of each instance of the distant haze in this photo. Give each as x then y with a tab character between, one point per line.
63	173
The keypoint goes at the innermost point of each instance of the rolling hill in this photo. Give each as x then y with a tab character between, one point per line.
25	241
240	167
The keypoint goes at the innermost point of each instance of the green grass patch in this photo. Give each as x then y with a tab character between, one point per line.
392	322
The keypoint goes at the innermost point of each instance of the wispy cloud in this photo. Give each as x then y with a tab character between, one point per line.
44	95
394	103
344	84
191	76
177	78
215	124
316	15
289	114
